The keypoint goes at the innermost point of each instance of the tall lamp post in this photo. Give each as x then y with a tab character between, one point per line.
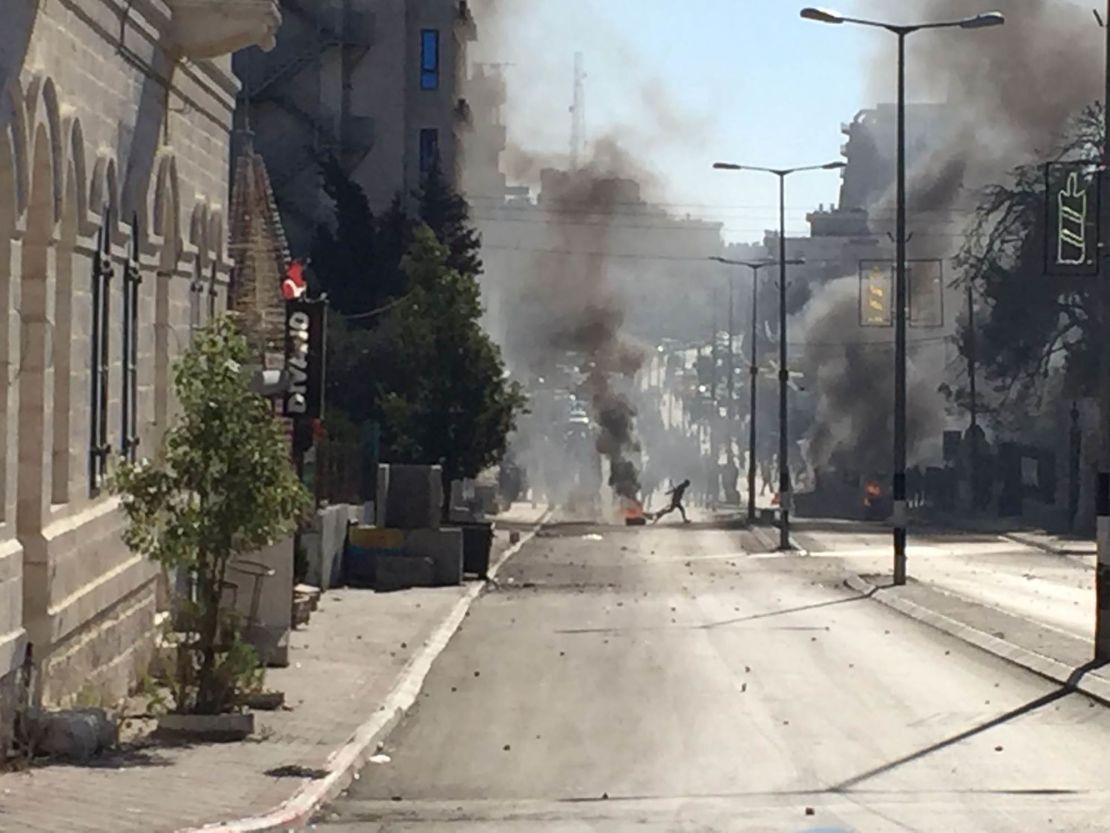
979	21
784	372
753	365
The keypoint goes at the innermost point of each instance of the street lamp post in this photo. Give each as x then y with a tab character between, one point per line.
753	365
979	21
784	372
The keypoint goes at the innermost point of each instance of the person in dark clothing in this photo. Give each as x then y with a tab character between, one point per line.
676	495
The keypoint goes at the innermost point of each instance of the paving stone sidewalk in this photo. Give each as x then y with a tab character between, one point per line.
343	666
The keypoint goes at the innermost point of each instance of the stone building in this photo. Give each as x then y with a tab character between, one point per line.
375	83
114	135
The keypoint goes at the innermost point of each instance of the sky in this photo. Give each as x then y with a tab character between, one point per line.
684	83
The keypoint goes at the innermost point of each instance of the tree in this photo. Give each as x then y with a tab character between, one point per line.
455	405
222	486
356	260
1028	325
447	214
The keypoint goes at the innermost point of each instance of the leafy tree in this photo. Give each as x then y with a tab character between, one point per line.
222	486
1028	325
357	262
455	405
447	214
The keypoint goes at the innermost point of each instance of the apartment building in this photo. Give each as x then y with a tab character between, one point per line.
375	83
114	139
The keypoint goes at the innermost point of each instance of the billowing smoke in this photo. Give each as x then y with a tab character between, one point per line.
568	303
1001	97
854	387
583	265
1008	93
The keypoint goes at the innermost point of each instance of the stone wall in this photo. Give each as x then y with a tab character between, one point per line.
104	130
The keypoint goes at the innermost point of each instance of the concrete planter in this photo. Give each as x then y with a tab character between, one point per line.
215	728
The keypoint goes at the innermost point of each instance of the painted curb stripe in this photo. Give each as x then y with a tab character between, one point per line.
345	761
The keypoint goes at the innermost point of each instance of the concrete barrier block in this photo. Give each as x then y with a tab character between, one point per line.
398	572
413	497
444	547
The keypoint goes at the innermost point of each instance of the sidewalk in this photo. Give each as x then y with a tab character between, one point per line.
1049	652
354	670
1016	531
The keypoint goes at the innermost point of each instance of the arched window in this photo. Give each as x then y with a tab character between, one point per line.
129	348
100	355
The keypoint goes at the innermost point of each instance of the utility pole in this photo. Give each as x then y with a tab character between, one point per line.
730	434
972	372
784	369
1102	493
899	483
714	417
784	380
753	378
979	21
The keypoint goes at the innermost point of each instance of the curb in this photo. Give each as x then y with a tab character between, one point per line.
343	764
772	543
1018	538
1095	687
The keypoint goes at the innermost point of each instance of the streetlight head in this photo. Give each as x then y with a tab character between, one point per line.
822	15
727	166
834	166
983	21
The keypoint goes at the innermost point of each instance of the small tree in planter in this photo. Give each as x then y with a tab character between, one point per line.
221	486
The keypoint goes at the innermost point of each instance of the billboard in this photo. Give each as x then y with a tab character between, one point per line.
305	322
925	293
876	293
1072	208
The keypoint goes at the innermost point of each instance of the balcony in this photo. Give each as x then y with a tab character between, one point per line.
203	29
355	29
465	26
462	111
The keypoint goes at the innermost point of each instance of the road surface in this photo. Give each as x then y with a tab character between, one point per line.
679	679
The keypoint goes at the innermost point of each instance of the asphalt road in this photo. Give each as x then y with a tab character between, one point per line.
678	679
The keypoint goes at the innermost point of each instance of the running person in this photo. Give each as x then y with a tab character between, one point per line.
676	502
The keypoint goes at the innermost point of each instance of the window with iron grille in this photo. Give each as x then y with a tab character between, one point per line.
132	278
196	287
99	357
213	294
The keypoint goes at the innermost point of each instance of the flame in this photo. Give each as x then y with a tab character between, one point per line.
633	511
871	492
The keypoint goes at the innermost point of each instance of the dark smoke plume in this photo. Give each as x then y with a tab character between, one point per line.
854	382
1003	97
1008	92
582	310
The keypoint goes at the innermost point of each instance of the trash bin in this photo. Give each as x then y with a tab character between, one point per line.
477	545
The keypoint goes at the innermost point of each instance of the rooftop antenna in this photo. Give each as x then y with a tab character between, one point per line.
578	112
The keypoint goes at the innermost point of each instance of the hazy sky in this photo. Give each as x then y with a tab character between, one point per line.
684	83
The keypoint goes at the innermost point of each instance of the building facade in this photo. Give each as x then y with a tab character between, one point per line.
375	83
114	141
